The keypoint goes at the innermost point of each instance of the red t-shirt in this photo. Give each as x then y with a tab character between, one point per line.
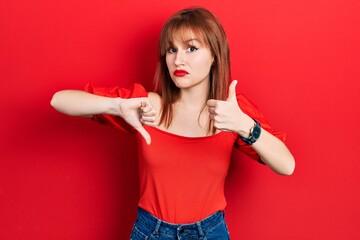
182	178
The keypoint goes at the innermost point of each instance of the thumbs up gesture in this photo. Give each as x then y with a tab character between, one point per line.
136	112
227	115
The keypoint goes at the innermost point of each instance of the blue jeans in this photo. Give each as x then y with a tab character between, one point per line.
148	227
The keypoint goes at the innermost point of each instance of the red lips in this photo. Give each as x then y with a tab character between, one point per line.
180	73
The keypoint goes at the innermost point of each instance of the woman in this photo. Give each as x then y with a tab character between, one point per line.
186	130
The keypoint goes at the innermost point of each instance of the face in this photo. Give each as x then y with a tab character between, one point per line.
189	61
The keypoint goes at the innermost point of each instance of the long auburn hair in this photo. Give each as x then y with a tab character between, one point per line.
203	23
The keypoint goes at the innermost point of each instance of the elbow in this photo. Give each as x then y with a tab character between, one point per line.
289	167
57	102
284	166
54	101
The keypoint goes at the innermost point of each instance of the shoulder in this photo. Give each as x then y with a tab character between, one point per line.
155	100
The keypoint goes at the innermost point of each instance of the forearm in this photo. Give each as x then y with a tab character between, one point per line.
228	116
80	103
274	153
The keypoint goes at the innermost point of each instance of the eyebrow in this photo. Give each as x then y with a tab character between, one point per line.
188	41
192	39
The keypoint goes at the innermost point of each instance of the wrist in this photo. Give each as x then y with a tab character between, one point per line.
254	135
246	127
115	106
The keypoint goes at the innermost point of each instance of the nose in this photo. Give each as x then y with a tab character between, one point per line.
180	58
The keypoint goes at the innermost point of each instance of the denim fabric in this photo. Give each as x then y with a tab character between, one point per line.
148	227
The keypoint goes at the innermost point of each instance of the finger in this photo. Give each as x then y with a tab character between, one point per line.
212	117
144	134
151	113
211	103
147	108
212	110
232	91
142	103
151	124
148	119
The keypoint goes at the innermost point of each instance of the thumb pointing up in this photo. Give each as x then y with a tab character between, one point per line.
232	91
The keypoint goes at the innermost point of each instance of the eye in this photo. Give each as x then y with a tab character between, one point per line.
171	50
192	49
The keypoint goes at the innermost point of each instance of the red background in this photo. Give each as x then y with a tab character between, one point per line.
69	178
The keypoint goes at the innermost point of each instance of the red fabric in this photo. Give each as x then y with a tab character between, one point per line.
182	178
250	109
135	91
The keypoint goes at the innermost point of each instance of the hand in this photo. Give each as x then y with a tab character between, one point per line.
228	116
136	112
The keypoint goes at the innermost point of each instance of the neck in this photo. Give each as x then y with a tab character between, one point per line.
194	97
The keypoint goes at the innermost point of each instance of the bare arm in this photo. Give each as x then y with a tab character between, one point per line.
135	111
80	103
227	116
274	153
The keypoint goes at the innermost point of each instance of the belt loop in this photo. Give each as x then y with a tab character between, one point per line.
156	231
201	233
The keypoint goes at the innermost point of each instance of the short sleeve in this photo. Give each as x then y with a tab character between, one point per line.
250	109
136	91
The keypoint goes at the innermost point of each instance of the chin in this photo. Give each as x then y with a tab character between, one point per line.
182	83
185	83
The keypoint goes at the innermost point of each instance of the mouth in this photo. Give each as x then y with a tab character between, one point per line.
180	73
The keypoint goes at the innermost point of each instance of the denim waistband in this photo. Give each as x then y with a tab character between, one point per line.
162	227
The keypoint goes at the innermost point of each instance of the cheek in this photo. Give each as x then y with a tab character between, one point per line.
169	61
204	64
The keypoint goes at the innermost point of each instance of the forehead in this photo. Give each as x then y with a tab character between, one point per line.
185	35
